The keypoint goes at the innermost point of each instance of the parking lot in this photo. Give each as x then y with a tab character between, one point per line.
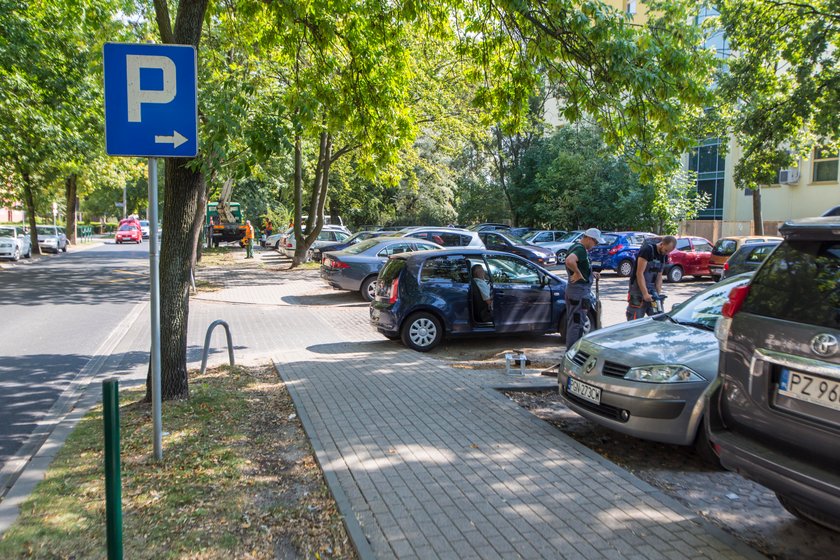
746	510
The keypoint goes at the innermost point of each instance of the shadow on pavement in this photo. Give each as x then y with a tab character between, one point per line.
337	298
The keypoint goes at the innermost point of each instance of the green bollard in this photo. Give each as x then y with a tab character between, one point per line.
113	485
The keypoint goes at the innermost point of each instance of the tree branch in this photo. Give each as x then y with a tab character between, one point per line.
163	20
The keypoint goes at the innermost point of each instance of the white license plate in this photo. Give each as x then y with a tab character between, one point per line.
596	263
584	391
810	388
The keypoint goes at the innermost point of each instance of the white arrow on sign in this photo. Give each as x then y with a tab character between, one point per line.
176	139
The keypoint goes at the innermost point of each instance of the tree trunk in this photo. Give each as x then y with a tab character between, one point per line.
317	200
70	185
182	212
758	219
182	202
29	203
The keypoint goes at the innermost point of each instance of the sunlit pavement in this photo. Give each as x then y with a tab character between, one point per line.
428	461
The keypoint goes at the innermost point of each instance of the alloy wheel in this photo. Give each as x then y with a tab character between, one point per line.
422	332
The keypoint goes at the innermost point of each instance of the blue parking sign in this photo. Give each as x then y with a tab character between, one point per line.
151	100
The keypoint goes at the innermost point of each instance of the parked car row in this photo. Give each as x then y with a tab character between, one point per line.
15	241
747	371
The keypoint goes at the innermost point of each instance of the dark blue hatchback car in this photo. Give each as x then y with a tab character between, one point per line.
423	297
619	252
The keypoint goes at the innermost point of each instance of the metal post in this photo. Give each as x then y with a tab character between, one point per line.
125	205
154	273
113	485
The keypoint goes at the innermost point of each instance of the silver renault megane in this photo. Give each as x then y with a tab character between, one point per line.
647	378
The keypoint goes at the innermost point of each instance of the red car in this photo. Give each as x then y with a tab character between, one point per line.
690	258
129	232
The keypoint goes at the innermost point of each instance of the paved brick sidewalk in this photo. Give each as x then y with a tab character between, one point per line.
428	461
436	464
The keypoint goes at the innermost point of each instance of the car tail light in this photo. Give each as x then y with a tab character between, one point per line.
736	300
335	263
395	291
730	308
616	249
726	265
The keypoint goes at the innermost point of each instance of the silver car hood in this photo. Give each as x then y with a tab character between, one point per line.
647	342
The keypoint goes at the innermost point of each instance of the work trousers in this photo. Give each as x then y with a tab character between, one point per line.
578	304
249	249
637	307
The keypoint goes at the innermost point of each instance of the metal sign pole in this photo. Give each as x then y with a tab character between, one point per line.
154	289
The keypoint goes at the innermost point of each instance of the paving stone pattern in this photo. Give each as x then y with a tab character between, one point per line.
436	464
433	462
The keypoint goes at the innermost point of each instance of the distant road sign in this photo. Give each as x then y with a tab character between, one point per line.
151	100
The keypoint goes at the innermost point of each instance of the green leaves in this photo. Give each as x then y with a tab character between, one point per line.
780	93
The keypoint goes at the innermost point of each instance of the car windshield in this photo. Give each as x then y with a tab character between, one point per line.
362	247
126	227
7	232
515	238
144	223
725	247
45	230
569	237
702	311
359	237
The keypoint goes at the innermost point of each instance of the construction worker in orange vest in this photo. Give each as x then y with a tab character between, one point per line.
249	240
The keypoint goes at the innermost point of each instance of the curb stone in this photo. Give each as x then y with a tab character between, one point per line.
351	523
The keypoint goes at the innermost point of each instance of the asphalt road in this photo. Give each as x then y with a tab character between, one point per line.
56	313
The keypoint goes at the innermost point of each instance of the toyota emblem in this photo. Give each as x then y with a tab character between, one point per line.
590	365
824	344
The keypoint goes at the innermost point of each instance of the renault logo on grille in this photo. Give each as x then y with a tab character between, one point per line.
824	344
590	365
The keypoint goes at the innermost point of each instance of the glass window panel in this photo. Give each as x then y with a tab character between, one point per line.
825	170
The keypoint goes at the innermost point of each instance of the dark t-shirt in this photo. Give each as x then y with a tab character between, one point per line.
584	266
655	262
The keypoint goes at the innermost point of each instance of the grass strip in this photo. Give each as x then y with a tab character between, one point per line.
238	480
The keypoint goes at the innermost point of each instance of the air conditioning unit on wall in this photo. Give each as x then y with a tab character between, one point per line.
788	176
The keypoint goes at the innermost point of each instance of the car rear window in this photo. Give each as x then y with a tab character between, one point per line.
609	239
391	270
452	268
725	247
362	246
683	245
799	282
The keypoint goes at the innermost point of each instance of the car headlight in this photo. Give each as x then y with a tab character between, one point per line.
662	374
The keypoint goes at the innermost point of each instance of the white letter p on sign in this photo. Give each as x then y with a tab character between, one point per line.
138	96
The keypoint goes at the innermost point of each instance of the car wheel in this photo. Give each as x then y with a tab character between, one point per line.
808	515
277	245
625	268
28	254
368	289
561	256
703	448
64	249
16	254
675	274
422	332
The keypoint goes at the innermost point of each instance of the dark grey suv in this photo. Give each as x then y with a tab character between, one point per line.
774	412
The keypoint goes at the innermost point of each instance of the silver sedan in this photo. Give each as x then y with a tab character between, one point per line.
647	378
